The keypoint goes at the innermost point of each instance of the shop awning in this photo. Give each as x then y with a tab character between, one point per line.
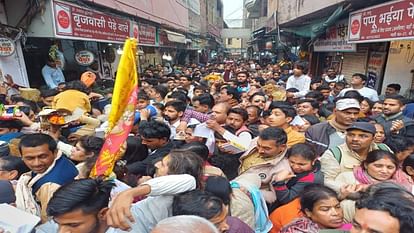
176	37
317	27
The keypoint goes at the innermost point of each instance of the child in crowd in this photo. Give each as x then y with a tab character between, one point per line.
408	166
143	102
306	170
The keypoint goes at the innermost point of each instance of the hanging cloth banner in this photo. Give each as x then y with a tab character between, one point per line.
121	117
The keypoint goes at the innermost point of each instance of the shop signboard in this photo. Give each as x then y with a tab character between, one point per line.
7	47
376	63
84	57
146	34
74	22
335	39
389	21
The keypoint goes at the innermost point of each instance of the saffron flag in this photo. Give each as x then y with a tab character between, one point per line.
121	117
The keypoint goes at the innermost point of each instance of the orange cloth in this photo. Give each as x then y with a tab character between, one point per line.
283	215
88	78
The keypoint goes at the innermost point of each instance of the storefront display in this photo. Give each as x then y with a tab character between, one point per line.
393	24
11	55
7	47
376	62
84	57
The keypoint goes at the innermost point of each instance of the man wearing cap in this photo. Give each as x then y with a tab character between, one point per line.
331	133
358	82
359	142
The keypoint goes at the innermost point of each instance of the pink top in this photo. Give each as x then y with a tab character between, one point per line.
346	227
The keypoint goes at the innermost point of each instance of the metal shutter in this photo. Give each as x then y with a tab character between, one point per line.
355	62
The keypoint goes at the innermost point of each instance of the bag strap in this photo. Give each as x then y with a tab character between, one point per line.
383	147
337	153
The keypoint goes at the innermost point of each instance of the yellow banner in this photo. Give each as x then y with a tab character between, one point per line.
121	117
126	79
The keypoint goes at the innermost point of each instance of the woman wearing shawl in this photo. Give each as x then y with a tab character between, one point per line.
379	166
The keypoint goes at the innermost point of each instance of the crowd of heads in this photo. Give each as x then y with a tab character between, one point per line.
214	148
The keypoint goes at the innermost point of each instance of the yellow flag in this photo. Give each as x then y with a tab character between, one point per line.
126	79
121	117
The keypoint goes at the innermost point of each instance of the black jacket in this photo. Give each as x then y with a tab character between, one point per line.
141	167
318	136
407	130
3	99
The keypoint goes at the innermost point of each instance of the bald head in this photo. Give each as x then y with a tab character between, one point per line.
220	111
223	105
185	224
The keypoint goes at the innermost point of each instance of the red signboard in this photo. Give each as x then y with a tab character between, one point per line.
164	40
388	21
146	34
75	22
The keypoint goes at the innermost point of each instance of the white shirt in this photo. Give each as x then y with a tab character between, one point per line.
365	92
158	205
302	83
173	128
338	78
191	92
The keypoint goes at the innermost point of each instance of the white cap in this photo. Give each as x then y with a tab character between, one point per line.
347	103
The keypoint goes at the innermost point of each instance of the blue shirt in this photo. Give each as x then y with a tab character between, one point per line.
52	76
7	137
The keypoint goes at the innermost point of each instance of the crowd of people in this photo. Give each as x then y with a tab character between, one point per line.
227	147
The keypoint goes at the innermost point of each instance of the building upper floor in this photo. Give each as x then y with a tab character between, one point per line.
298	12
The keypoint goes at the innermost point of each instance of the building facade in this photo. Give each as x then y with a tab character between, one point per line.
90	34
320	32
